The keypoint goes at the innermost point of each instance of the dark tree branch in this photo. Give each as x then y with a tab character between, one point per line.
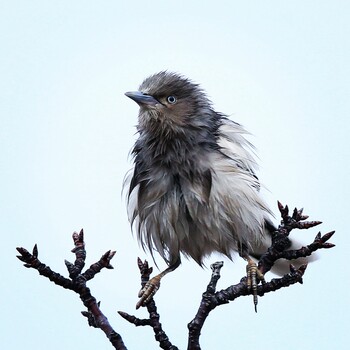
153	320
77	283
210	298
280	242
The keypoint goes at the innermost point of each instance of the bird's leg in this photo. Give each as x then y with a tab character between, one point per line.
147	292
254	276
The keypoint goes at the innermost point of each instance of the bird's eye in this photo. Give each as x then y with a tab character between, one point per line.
171	99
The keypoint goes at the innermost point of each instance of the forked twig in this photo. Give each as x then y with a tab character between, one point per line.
77	282
210	299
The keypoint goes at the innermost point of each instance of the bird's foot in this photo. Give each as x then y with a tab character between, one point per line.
254	277
148	291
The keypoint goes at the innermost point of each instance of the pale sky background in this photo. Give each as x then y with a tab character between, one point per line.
281	68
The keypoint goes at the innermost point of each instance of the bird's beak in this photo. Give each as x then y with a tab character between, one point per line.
141	98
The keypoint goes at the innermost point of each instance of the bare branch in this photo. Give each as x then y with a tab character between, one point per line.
77	283
210	298
154	318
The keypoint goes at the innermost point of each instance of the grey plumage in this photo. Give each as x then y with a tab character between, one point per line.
193	189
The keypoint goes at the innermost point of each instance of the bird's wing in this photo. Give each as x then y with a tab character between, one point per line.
235	146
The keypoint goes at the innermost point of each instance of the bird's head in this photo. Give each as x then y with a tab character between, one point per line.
170	100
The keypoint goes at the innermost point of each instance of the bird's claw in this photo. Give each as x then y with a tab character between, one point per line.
254	277
147	292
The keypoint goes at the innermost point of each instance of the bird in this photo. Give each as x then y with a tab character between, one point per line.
193	189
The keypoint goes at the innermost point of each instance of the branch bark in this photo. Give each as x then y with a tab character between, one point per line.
77	283
210	298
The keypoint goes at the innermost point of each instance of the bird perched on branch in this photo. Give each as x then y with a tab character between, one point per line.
193	189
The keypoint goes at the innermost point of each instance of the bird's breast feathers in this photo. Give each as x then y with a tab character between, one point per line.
217	208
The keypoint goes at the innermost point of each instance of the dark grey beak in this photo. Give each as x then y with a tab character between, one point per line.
142	99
